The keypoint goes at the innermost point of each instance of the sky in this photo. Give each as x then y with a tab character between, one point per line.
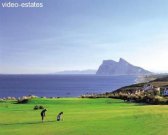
80	34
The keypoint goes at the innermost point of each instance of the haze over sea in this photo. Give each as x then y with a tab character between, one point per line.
60	85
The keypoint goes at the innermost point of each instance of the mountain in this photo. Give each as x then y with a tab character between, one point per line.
111	67
77	72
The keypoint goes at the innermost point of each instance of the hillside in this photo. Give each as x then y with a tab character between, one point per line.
152	92
80	72
161	81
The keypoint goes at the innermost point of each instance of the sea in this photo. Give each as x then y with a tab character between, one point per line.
60	85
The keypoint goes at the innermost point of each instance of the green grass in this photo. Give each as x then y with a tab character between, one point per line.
83	117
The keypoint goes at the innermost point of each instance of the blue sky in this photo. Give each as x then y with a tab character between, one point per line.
79	34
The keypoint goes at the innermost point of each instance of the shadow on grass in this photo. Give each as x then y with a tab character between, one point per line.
26	123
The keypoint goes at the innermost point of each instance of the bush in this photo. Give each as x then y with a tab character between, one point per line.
23	101
159	100
156	92
41	107
38	107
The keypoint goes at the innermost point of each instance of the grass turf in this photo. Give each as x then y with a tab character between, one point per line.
83	117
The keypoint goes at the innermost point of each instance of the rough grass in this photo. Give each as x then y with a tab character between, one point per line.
83	117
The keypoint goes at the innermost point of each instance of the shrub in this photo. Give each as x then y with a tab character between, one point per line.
159	100
41	107
23	101
1	100
156	92
36	107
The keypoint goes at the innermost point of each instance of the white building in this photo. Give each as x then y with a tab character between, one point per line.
165	92
157	88
148	87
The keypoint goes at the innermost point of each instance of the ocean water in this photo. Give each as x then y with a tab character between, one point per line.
60	85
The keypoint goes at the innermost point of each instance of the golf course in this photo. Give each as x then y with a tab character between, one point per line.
84	116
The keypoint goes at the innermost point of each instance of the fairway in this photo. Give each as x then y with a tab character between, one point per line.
83	117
